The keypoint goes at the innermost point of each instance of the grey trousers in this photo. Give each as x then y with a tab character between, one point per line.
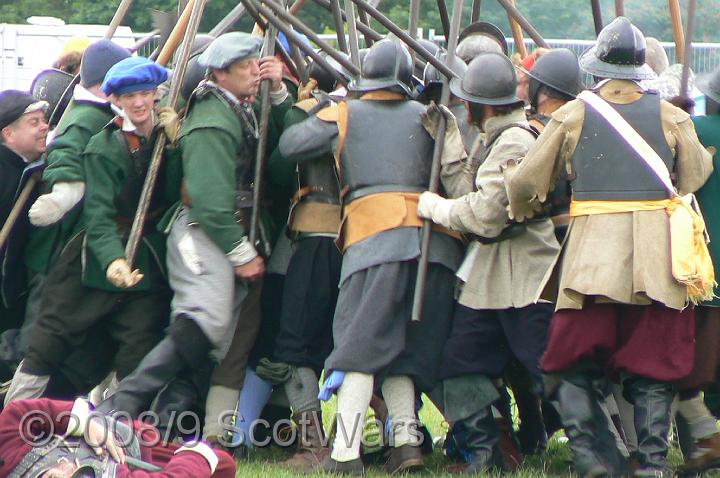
203	279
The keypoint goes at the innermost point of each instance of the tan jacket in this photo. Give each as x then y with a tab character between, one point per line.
623	257
508	273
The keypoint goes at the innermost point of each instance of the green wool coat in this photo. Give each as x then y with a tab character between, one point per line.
80	122
106	161
211	139
708	196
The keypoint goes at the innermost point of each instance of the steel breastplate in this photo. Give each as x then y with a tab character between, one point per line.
386	145
606	168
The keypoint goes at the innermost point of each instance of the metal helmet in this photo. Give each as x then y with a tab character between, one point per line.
490	80
53	86
431	47
558	70
200	43
619	53
387	65
432	78
326	81
485	29
709	84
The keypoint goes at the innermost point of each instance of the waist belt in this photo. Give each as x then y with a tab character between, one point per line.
511	230
125	221
381	212
385	188
314	194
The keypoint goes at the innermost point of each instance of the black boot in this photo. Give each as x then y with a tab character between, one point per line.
652	401
594	448
184	347
483	437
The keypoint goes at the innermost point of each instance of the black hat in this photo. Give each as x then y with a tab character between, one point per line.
619	53
15	103
490	80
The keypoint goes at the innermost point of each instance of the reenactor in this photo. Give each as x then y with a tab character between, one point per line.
620	297
91	281
381	178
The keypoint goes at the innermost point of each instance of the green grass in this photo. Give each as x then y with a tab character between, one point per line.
264	463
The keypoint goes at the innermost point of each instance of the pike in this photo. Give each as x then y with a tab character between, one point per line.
678	35
413	22
352	33
268	49
423	262
362	25
444	19
517	34
619	8
298	25
597	16
475	15
256	10
405	38
193	12
687	56
25	194
524	23
339	29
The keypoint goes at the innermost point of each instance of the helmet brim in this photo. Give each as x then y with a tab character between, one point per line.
702	82
365	84
591	64
457	90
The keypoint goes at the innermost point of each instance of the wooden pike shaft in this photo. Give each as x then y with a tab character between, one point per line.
176	35
678	34
524	23
517	35
352	33
265	85
434	186
475	15
687	53
597	16
256	10
619	8
405	38
283	16
117	18
191	27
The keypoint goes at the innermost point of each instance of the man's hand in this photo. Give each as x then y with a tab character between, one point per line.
434	207
271	68
100	437
168	119
120	275
251	271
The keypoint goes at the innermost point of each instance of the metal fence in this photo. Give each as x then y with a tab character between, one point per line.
706	56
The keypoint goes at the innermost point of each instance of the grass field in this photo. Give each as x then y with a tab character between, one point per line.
263	463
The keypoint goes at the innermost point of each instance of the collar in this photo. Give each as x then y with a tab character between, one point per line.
244	99
13	156
383	95
496	122
619	91
80	93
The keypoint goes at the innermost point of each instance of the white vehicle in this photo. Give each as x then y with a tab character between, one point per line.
26	50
